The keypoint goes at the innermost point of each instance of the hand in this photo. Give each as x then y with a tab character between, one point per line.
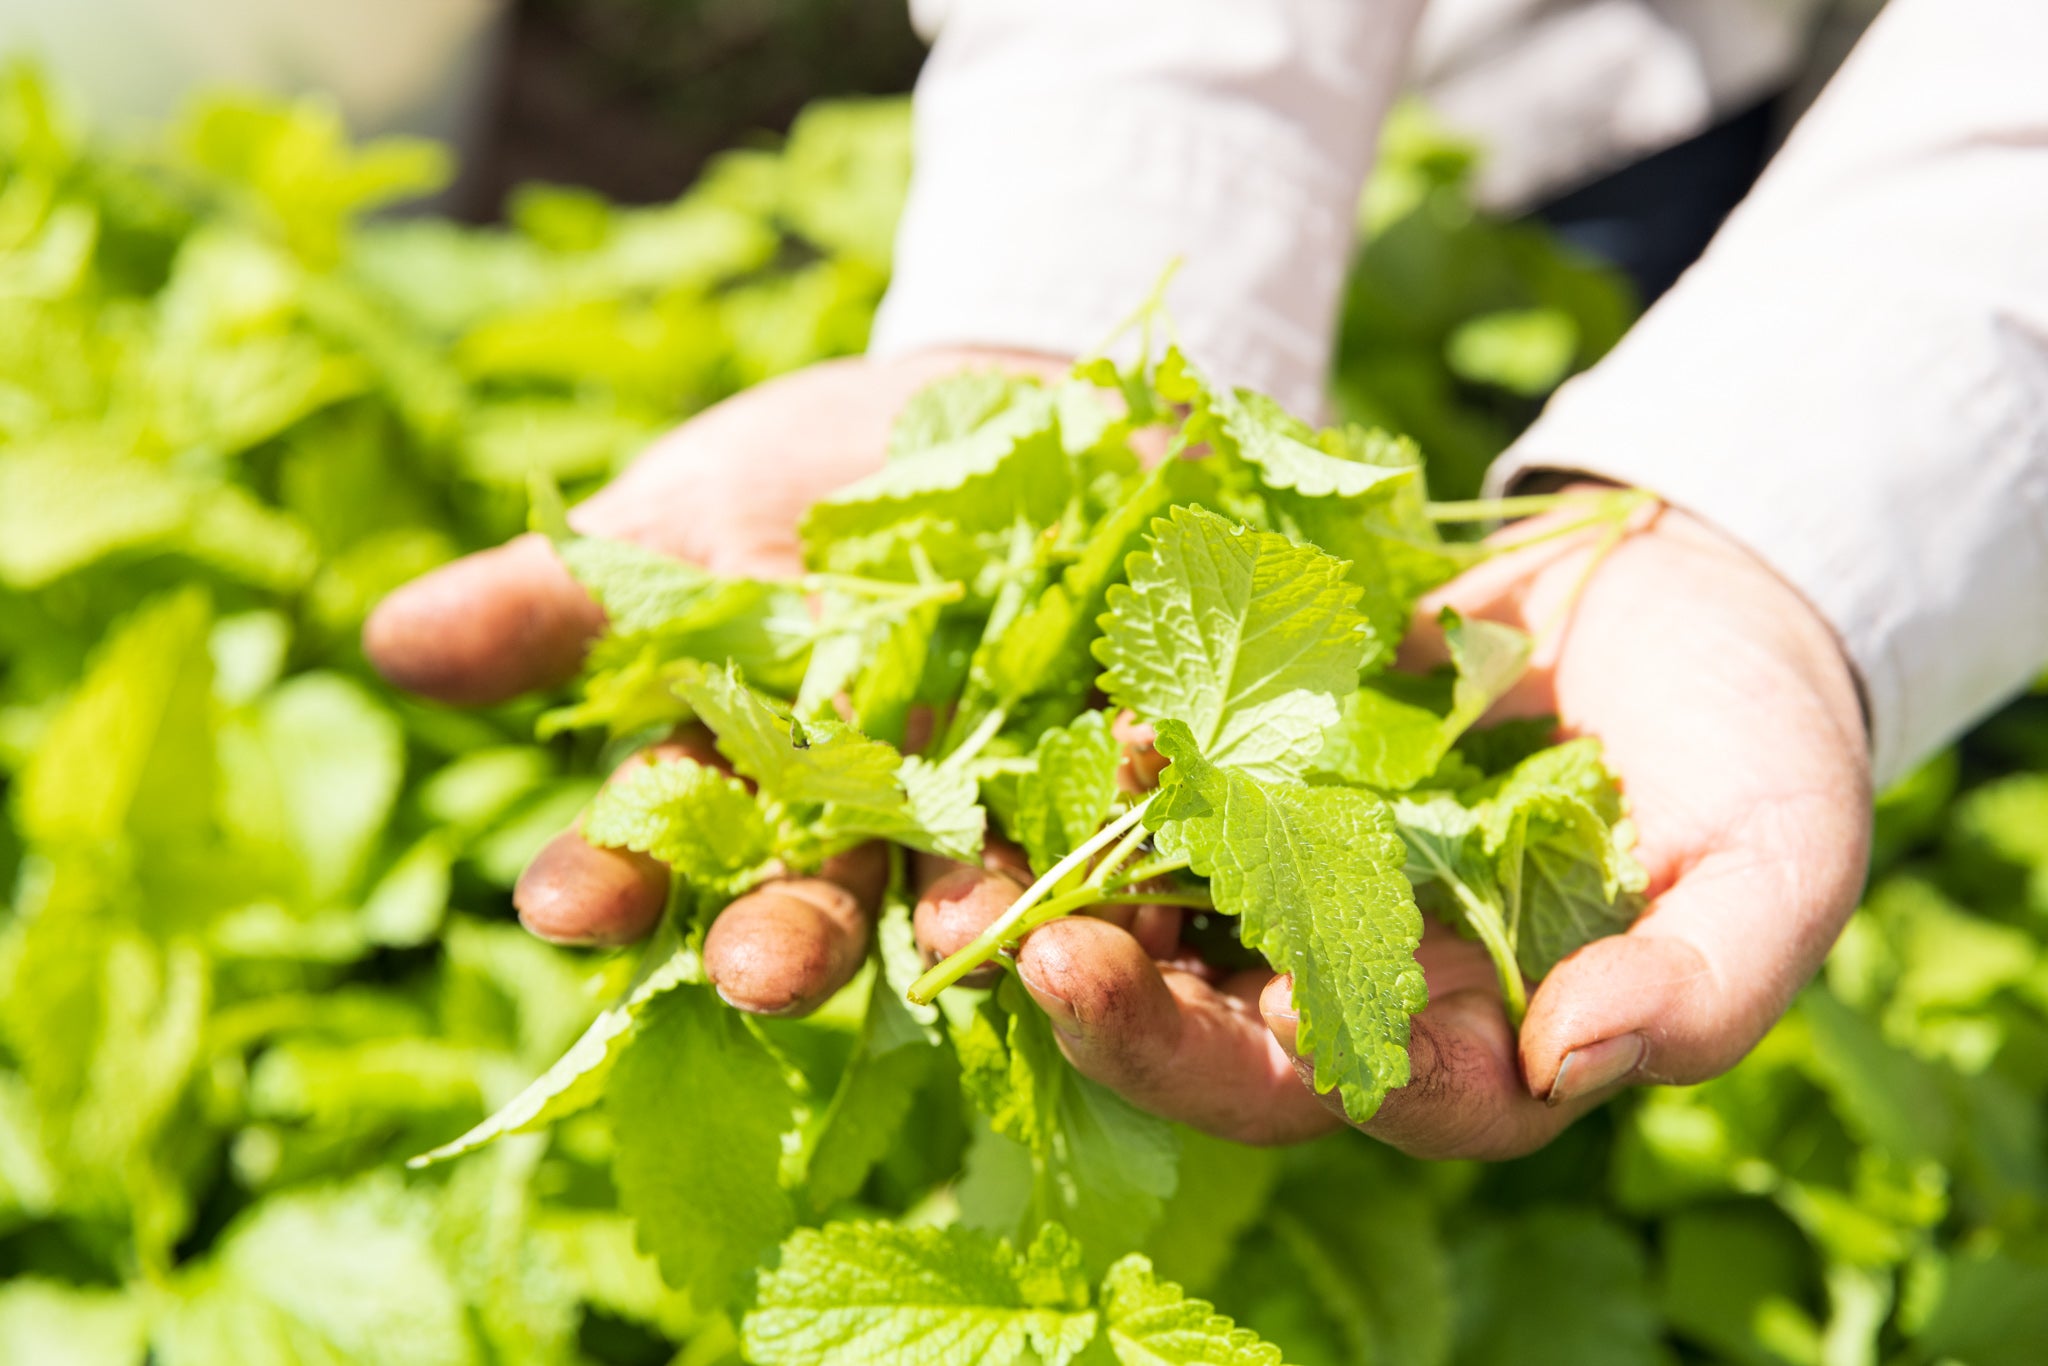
1728	712
725	490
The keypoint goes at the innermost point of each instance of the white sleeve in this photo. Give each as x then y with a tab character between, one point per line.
1068	150
1854	381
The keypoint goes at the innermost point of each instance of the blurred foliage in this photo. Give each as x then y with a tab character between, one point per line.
256	946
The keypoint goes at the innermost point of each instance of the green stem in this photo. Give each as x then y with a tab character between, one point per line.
976	739
1104	872
1007	927
1486	923
949	591
1503	509
1158	867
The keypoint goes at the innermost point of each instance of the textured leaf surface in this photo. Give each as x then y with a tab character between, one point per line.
1243	636
1150	1322
858	1293
703	824
1058	1146
699	1109
1287	454
577	1079
1067	795
1315	875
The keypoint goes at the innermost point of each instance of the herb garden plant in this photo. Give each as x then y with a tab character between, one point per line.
256	944
1018	587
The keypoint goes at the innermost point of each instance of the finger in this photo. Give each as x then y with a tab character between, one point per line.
1139	763
575	893
489	626
958	905
1713	963
1464	1097
1168	1042
787	946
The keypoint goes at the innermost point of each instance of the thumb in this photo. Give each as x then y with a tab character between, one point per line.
485	628
1697	982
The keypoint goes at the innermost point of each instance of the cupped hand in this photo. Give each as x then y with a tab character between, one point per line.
1727	710
725	490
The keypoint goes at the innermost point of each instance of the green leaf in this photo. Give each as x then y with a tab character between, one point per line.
1223	1189
1527	351
699	1109
1393	732
49	1321
1059	1147
955	504
1555	829
1068	793
315	771
1150	1322
865	789
1556	1287
578	1078
1288	455
954	407
895	1052
405	907
703	824
132	748
1395	552
1242	636
327	1274
1314	874
639	589
1047	648
860	1292
816	763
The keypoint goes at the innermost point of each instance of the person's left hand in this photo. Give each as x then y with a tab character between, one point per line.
1727	710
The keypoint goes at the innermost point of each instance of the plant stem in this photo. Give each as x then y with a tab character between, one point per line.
1007	927
1501	509
1158	867
947	591
984	731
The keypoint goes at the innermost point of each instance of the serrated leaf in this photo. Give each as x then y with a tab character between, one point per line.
794	762
895	1051
1315	875
577	1079
1287	454
1059	1148
1047	648
639	589
1393	732
1068	792
1554	828
1150	1322
1244	637
953	503
850	1294
701	823
699	1110
953	407
943	813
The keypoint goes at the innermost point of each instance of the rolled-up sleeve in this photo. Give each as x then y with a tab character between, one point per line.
1854	381
1068	150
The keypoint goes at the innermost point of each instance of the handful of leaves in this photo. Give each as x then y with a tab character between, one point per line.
1019	575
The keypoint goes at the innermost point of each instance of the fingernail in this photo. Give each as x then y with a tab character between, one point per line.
1597	1066
1057	1008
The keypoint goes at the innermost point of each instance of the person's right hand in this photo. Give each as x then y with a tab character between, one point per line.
724	490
